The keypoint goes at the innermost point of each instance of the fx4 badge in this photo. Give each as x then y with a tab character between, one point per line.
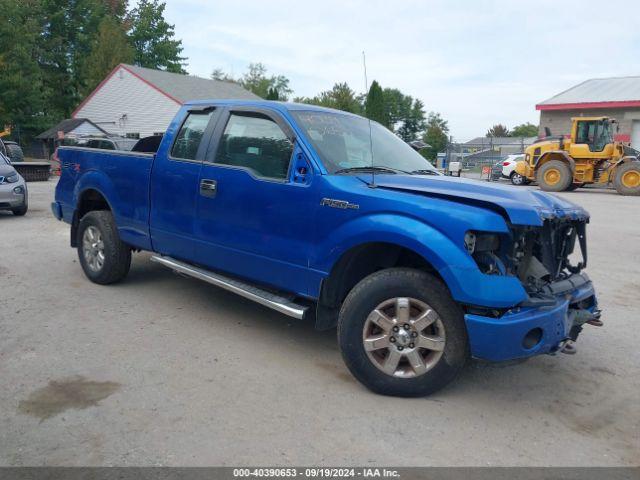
343	204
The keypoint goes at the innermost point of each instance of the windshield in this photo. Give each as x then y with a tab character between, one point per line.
4	159
595	133
343	142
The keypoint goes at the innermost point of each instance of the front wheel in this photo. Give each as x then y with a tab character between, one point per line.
627	178
22	210
401	333
554	176
104	257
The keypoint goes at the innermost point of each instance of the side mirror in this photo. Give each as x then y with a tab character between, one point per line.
301	168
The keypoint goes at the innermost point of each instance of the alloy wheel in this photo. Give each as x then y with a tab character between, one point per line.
404	337
93	248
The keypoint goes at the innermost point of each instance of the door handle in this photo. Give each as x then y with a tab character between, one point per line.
208	188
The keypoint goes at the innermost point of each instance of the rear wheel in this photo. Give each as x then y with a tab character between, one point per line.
554	176
517	179
627	178
104	257
401	333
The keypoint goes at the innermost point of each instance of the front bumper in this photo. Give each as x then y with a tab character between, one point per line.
9	199
530	330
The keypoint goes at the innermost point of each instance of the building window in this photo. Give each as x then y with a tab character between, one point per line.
133	135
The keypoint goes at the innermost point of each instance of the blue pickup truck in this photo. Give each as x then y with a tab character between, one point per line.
323	214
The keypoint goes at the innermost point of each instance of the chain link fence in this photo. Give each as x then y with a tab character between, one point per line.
483	157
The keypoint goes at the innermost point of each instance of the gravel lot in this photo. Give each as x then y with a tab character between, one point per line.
165	370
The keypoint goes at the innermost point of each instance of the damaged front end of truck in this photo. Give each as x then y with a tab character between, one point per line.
549	261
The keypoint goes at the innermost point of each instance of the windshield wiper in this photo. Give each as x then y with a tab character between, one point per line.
426	171
369	169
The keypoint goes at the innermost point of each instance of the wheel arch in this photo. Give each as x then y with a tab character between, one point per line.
358	262
89	199
557	155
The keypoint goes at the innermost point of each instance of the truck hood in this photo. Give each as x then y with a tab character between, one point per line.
520	205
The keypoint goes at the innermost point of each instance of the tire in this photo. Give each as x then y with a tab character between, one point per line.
14	152
447	328
554	176
102	237
627	178
517	179
21	211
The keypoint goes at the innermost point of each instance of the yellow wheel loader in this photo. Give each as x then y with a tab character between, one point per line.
588	156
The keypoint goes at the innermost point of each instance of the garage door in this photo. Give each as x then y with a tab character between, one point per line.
635	134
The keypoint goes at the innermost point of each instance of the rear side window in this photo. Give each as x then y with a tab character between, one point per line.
190	135
256	142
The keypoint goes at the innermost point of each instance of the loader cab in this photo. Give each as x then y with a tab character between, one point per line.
591	137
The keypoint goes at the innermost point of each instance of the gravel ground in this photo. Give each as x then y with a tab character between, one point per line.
165	370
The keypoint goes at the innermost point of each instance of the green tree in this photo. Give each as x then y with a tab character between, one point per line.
498	130
374	107
435	135
153	39
220	74
110	48
23	93
65	40
269	87
340	97
413	123
397	107
117	8
525	130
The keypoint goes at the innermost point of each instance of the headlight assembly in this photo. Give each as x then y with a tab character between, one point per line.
11	178
481	242
484	247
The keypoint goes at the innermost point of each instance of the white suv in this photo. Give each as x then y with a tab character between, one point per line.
509	169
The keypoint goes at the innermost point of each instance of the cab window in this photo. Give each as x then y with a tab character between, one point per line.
596	134
254	141
190	135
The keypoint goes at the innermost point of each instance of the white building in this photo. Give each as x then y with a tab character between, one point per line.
137	102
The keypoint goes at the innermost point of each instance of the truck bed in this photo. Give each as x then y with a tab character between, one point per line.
120	176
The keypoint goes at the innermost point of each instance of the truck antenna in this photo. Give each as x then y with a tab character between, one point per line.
366	91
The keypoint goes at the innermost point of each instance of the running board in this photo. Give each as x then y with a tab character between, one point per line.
268	299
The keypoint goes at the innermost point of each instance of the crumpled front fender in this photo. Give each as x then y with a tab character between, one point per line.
466	282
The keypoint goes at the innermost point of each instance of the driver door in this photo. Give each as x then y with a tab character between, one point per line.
257	201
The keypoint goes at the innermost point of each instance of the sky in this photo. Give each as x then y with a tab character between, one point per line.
477	63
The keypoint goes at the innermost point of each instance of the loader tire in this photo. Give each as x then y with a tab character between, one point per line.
14	152
554	176
627	179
